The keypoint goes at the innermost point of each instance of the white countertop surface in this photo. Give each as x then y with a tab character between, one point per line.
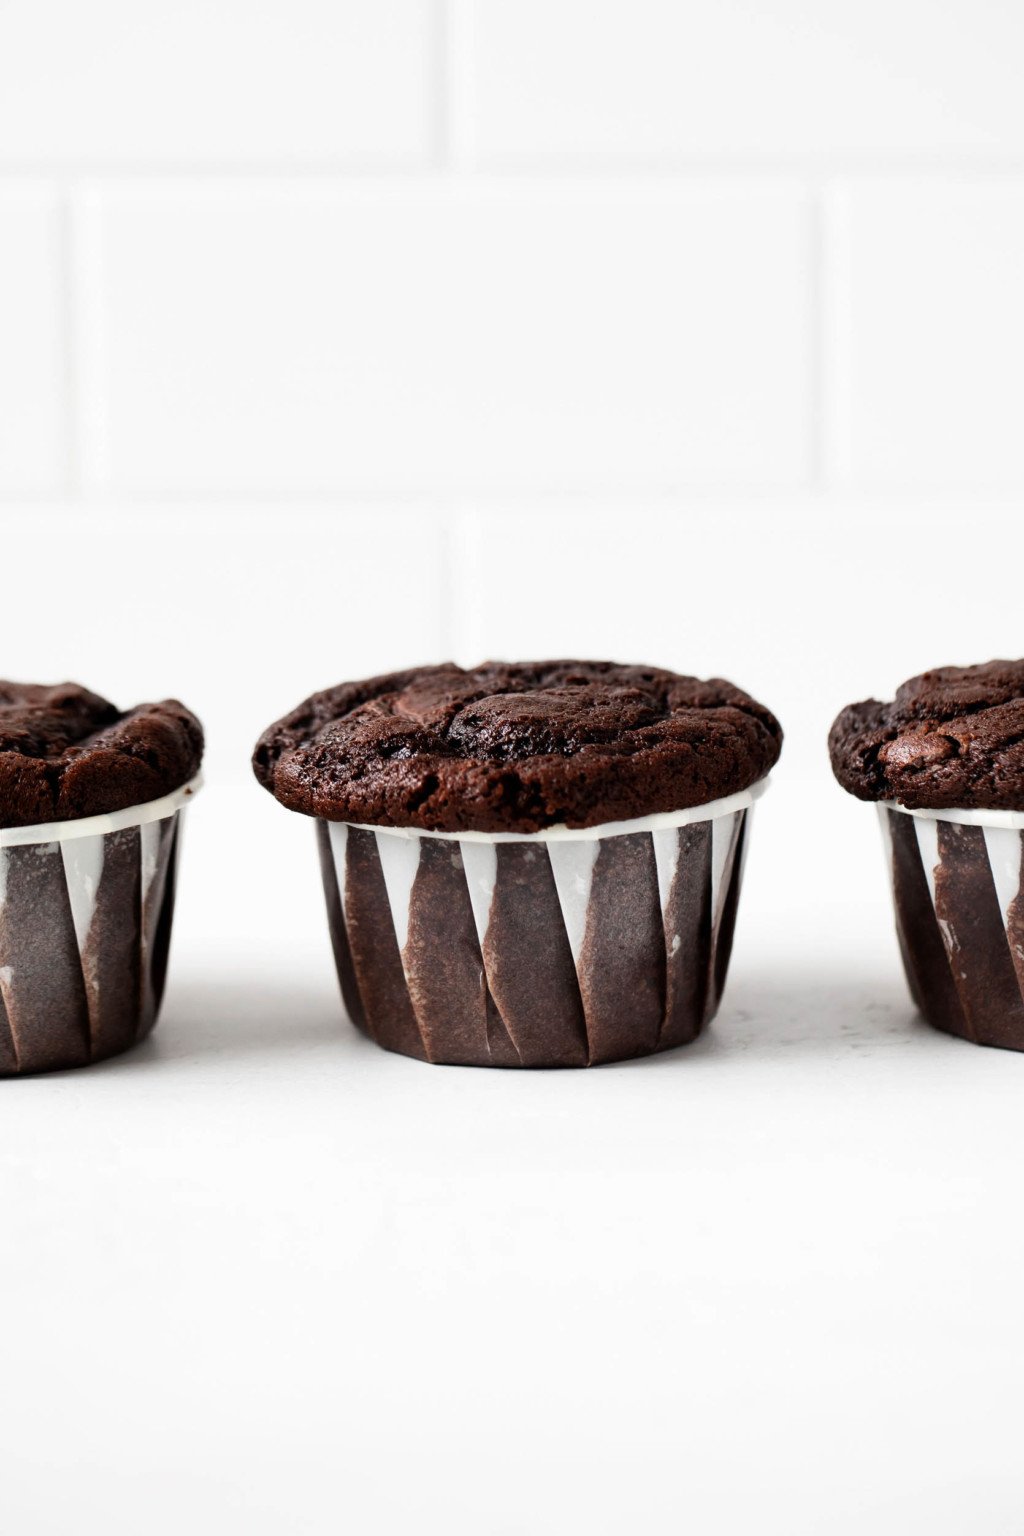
767	1282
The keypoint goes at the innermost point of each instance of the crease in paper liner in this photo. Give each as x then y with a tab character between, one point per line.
80	859
885	826
1001	831
928	846
666	859
1003	846
572	865
724	833
81	862
480	866
83	866
572	860
667	848
745	819
399	861
337	831
149	852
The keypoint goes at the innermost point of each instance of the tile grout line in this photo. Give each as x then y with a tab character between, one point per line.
576	495
457	105
90	385
817	372
446	582
71	415
454	136
440	107
459	585
836	358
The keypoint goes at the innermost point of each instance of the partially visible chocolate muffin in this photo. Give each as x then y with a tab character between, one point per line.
66	752
945	762
516	746
482	912
86	907
951	737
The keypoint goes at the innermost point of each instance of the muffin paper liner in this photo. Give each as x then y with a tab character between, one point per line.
85	924
958	889
559	948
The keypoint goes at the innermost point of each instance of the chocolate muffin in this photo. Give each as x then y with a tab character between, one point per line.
530	863
945	762
90	805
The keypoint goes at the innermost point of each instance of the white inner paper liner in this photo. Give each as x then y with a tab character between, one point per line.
1004	857
480	863
659	821
99	826
338	833
149	838
571	851
83	866
1009	820
399	861
572	865
1001	830
724	834
928	846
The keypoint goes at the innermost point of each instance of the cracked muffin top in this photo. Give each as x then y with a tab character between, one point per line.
66	752
515	746
951	738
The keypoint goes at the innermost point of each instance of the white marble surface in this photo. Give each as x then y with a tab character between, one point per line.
262	1277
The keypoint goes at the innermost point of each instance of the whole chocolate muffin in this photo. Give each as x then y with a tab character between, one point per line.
945	761
529	863
90	804
516	746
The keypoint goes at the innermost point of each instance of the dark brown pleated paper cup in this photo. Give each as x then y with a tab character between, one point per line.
561	948
85	927
957	887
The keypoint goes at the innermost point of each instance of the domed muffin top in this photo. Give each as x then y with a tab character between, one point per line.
951	738
65	752
516	746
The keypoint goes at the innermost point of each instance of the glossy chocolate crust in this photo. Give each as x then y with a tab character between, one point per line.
953	737
66	753
516	746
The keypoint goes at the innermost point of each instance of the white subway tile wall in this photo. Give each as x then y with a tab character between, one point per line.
217	82
930	325
340	333
658	79
240	611
33	386
438	334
